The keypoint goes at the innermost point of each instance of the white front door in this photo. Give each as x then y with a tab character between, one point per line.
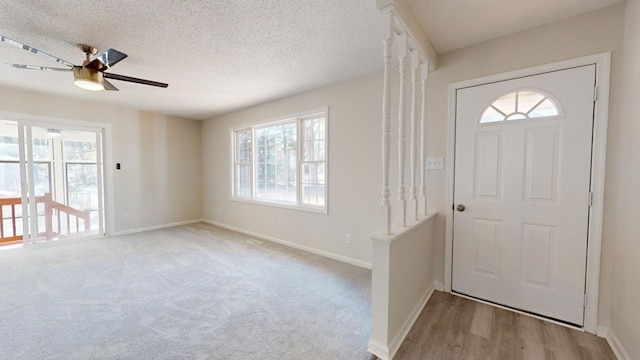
522	182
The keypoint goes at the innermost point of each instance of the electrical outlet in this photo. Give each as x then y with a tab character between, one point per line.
435	163
125	216
347	239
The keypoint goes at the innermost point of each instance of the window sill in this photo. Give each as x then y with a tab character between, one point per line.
310	209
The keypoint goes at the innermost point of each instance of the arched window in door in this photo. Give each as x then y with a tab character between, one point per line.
520	105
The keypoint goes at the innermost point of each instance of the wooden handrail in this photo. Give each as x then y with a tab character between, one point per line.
49	206
9	202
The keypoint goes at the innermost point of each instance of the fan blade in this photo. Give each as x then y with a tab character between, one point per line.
37	67
109	86
111	57
134	80
106	60
34	50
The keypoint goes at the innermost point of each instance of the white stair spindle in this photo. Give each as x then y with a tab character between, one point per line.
415	69
423	136
385	206
403	49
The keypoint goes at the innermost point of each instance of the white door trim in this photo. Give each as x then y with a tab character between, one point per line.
601	119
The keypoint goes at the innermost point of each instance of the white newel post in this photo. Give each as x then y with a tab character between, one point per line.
424	75
403	49
415	69
385	205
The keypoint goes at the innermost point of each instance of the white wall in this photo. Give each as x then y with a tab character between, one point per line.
162	180
354	171
355	111
401	284
587	34
623	191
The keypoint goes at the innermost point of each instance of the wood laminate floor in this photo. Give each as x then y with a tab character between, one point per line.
452	327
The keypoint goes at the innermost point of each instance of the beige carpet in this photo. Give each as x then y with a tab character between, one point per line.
190	292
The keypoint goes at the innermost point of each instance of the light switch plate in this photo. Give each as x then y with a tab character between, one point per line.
435	163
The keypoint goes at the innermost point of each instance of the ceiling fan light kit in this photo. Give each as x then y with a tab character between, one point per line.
87	79
91	75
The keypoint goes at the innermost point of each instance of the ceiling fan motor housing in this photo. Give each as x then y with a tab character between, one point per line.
91	79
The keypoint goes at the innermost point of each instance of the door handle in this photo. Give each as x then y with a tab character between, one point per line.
460	207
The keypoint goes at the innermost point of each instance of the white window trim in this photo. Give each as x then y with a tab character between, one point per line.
298	117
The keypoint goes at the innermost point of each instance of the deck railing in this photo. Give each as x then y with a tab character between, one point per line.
60	220
9	203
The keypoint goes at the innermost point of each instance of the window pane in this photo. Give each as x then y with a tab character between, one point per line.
79	151
243	146
243	176
9	148
506	104
313	139
10	179
527	100
516	116
546	108
82	186
42	149
277	161
491	115
42	178
313	184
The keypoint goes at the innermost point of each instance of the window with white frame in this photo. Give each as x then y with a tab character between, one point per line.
282	162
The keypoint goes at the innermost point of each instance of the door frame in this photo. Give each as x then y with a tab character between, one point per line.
82	125
598	166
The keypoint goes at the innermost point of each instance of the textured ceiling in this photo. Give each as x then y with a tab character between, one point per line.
217	56
222	55
454	24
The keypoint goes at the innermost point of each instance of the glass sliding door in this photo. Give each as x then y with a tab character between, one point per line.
38	163
82	175
54	176
11	219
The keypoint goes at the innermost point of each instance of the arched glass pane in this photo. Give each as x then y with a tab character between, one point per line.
506	104
527	100
491	115
516	116
545	109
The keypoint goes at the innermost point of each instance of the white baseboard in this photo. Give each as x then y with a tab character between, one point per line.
388	352
408	324
327	254
616	346
155	227
602	331
381	352
438	286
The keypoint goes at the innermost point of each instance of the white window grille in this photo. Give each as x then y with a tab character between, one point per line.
282	162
